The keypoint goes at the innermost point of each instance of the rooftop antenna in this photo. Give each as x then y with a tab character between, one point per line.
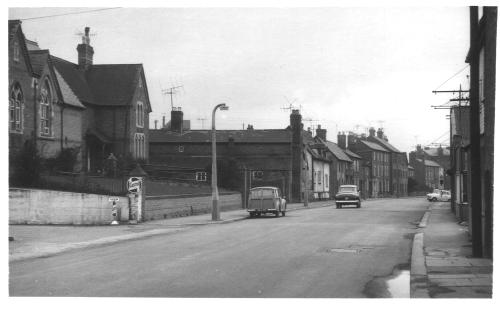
202	122
290	106
171	91
84	38
310	120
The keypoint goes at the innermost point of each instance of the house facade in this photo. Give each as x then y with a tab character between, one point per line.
94	110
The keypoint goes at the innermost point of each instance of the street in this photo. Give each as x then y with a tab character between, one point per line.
323	252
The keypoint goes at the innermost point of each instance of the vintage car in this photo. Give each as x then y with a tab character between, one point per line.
439	195
348	195
262	200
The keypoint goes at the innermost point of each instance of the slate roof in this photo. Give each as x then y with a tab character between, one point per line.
38	60
434	151
386	144
430	163
352	154
336	150
109	85
204	136
374	146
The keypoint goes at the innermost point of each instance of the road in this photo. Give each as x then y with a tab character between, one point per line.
323	252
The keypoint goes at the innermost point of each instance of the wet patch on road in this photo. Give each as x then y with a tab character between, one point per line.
395	285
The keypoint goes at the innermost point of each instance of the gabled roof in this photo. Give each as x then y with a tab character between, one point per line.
335	150
429	163
113	84
385	144
16	29
105	85
38	60
204	136
374	146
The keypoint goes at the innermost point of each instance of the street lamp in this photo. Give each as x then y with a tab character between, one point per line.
215	190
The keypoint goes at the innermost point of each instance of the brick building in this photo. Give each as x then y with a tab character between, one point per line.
377	159
287	158
94	109
398	164
431	166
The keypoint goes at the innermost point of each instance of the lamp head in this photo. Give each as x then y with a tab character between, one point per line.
224	107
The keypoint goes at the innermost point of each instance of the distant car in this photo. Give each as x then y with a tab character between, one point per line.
264	200
439	195
348	195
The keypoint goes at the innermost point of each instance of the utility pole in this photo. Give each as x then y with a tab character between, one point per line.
475	136
202	122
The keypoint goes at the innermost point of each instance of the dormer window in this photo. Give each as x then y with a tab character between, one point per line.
139	114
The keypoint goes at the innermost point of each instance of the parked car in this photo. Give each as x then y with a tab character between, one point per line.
348	195
264	200
439	195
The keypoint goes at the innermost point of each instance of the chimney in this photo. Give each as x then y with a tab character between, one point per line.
440	150
380	133
372	132
249	127
385	138
85	51
342	140
351	139
320	132
295	120
156	124
176	120
163	122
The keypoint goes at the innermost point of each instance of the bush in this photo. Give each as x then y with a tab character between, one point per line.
64	161
26	165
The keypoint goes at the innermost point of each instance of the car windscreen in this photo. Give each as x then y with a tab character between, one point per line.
262	193
347	189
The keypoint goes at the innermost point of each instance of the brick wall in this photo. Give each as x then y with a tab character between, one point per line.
161	207
30	206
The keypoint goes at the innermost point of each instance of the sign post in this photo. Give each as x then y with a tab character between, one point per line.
114	210
137	194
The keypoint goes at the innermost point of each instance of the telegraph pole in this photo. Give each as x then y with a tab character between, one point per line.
475	136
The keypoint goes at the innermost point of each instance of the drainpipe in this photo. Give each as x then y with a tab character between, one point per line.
62	125
35	86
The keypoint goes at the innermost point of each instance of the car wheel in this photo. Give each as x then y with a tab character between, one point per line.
252	214
434	199
277	214
283	213
359	205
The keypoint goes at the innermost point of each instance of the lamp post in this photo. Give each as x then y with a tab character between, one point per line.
215	190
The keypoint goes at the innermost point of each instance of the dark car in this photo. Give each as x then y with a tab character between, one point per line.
264	200
348	195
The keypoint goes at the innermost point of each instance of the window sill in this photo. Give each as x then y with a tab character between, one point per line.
16	132
50	138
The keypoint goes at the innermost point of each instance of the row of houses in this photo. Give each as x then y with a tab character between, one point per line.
304	164
92	110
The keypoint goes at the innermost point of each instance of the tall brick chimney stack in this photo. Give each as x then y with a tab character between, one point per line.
321	132
372	132
342	140
85	51
176	120
380	133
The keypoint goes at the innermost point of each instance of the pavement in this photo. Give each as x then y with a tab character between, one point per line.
35	241
442	265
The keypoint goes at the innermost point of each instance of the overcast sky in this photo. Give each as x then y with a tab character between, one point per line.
347	68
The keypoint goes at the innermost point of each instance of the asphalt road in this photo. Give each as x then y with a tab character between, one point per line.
323	252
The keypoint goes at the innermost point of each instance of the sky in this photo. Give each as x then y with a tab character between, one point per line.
346	68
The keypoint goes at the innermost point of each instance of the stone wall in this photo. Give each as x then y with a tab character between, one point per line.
34	206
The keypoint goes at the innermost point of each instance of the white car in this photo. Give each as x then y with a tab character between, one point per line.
439	195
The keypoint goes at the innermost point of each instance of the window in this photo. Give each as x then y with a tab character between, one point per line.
139	145
16	106
16	52
46	109
139	114
201	176
257	175
319	177
326	180
181	148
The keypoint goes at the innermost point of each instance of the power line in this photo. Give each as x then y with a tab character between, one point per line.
452	76
71	13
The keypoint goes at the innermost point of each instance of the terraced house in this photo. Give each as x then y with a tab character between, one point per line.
93	109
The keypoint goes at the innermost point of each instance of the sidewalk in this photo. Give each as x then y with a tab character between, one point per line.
34	241
442	266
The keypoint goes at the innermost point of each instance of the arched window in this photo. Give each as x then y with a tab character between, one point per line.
46	109
139	145
139	114
16	108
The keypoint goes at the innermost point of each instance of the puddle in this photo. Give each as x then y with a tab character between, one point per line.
396	285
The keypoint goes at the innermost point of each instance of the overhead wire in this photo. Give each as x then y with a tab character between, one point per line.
69	13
